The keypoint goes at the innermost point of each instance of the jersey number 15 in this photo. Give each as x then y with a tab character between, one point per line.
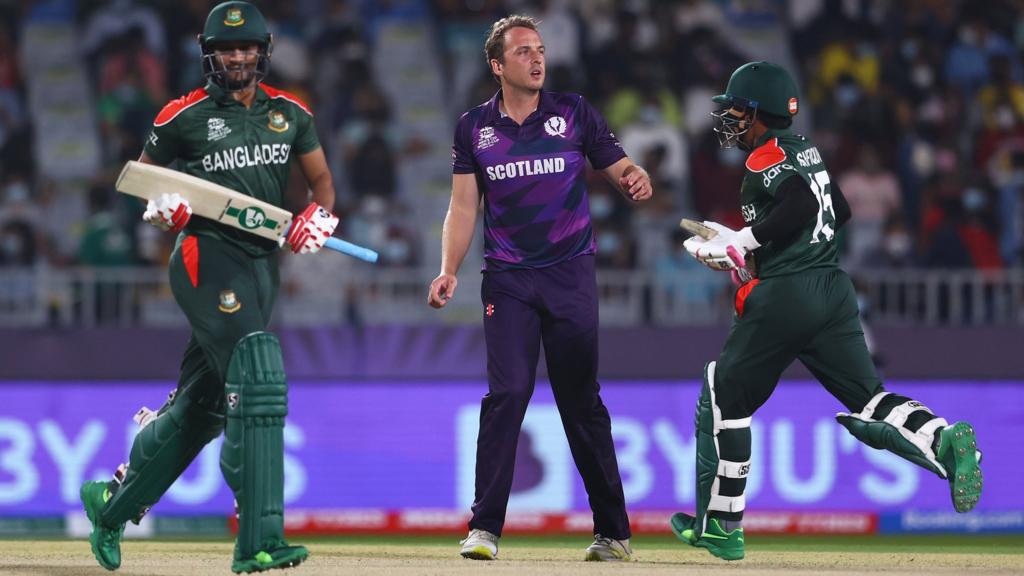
822	230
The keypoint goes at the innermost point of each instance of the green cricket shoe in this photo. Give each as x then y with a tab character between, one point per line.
105	541
278	558
727	546
958	452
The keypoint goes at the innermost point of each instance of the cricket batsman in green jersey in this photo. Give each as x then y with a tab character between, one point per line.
242	134
799	306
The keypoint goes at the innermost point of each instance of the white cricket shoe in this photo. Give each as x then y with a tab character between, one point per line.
608	550
480	545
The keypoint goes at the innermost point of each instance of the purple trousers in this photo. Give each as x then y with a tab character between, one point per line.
556	306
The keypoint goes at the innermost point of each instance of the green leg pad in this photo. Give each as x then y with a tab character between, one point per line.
160	453
707	453
252	457
884	436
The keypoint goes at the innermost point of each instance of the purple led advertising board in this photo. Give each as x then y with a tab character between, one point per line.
400	445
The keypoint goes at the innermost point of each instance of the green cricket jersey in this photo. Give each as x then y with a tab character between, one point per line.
248	150
782	154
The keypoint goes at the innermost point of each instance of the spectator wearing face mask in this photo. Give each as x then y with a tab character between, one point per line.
896	248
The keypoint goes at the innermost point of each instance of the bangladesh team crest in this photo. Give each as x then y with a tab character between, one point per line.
229	302
278	123
233	17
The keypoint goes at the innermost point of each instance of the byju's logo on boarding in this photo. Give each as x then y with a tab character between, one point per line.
555	126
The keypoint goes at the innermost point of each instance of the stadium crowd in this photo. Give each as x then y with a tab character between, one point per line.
917	106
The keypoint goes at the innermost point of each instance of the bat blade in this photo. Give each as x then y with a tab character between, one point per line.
697	229
746	274
206	198
221	204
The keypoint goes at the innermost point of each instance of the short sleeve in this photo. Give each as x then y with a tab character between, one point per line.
163	143
462	148
306	139
600	146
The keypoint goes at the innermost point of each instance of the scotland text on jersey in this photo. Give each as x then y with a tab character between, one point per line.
526	168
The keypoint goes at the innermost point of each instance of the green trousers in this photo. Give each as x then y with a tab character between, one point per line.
225	294
811	317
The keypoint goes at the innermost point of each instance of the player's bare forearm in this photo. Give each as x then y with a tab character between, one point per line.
459	223
630	180
318	176
323	191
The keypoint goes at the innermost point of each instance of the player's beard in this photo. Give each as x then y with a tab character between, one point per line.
234	77
237	77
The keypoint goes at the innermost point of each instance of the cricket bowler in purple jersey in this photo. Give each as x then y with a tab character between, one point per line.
524	153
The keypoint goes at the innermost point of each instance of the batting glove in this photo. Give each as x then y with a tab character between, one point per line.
168	212
726	251
311	229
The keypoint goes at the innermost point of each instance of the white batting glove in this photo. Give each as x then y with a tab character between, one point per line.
726	251
169	212
311	229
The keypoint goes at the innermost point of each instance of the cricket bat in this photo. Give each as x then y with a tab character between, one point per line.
221	204
746	273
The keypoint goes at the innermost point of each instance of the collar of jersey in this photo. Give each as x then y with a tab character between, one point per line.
771	133
546	105
221	96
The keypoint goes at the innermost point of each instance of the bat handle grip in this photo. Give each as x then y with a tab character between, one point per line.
350	249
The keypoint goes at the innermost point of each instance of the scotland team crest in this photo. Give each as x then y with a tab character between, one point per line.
555	126
233	17
278	123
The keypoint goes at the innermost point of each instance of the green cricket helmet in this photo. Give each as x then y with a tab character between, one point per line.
754	88
235	22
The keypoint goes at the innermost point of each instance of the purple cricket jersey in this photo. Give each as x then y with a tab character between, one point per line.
533	177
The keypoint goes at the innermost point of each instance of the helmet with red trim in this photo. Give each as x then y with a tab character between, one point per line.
756	89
